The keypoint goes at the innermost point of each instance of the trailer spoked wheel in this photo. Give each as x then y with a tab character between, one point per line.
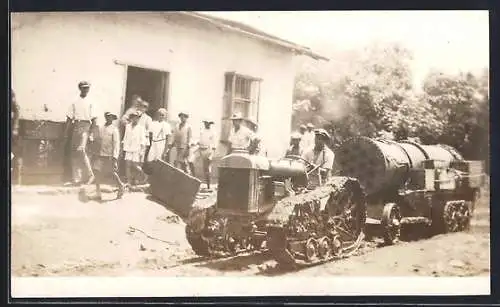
391	223
456	216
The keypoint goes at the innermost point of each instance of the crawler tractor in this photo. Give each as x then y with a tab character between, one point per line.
288	208
412	190
284	206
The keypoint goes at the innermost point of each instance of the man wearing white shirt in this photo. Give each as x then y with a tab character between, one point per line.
141	106
240	136
182	141
82	115
206	148
319	154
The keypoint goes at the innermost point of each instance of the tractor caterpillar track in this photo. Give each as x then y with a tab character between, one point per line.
203	244
319	226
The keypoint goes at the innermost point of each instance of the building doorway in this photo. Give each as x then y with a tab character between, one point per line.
151	85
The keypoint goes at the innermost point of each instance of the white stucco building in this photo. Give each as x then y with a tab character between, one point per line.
206	66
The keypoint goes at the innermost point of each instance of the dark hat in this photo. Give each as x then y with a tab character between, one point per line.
236	116
208	121
109	114
83	84
322	132
183	114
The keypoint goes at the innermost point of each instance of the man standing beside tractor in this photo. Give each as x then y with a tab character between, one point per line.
182	142
241	136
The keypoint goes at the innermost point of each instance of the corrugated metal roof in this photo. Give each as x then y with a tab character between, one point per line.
247	30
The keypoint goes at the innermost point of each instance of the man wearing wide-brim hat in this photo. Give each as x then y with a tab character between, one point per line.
181	142
81	116
240	136
320	155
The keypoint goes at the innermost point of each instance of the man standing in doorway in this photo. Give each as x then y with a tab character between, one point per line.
134	105
145	121
139	106
82	115
240	136
182	141
206	148
134	142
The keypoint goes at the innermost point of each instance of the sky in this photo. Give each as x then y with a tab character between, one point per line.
450	41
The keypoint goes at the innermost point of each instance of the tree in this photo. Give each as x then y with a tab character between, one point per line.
376	98
380	93
461	104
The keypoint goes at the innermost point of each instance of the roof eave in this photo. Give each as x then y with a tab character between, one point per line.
312	55
297	49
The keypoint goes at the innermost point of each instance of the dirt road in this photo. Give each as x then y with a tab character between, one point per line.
61	236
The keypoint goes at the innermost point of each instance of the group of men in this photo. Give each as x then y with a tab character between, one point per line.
138	139
311	145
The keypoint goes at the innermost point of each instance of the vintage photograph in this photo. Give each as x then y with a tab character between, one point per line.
282	146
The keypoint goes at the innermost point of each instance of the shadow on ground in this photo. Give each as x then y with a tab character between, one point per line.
237	263
173	210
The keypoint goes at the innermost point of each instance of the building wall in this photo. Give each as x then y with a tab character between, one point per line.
52	52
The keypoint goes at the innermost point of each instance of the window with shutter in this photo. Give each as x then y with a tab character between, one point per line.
241	94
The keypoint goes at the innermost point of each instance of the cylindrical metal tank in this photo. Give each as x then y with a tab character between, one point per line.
384	164
287	168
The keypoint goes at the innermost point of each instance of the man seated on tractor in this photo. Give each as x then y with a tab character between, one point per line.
320	156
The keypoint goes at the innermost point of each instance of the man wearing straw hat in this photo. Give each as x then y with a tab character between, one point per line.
182	141
240	136
320	155
81	115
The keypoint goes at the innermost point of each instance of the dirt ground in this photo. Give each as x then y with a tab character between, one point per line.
58	235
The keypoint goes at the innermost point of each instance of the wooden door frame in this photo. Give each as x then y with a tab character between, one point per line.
166	82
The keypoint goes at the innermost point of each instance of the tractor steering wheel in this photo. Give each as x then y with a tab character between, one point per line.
310	165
